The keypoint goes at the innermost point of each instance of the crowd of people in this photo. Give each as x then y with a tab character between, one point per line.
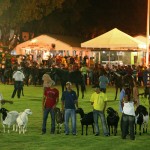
90	69
94	74
69	101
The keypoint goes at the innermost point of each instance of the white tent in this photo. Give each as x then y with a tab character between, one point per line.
115	40
141	38
48	42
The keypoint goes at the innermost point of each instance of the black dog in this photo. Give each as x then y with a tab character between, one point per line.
86	119
112	120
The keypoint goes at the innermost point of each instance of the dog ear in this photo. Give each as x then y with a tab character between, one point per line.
4	109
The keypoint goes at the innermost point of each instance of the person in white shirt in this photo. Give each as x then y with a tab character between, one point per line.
18	77
128	116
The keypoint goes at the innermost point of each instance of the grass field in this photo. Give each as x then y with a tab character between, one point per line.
34	140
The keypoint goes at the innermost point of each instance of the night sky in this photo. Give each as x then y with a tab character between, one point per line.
90	18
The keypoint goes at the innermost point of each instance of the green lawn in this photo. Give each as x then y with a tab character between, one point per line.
33	140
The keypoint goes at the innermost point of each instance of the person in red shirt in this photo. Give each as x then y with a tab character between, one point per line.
50	100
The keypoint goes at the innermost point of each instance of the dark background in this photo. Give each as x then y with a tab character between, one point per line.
90	18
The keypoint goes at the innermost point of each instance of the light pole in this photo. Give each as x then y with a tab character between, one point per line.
148	23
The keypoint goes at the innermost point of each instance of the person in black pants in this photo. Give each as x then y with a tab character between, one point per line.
128	116
18	77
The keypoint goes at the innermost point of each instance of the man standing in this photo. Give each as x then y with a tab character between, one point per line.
103	81
69	101
18	77
98	100
50	100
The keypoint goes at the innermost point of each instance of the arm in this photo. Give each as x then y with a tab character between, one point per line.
43	102
62	105
6	101
122	103
57	100
105	103
76	103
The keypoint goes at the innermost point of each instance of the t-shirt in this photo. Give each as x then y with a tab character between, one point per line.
18	76
69	98
128	109
98	100
103	81
51	97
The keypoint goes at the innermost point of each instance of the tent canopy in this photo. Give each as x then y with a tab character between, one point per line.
50	42
115	39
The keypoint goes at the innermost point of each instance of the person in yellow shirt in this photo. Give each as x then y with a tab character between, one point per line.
98	101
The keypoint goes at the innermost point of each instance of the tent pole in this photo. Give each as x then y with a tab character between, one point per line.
148	15
118	57
109	58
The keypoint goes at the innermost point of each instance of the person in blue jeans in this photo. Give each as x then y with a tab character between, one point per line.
99	101
69	103
50	100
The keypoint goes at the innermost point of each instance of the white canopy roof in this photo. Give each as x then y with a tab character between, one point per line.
115	39
46	42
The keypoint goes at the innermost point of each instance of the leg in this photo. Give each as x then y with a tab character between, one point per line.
52	120
77	86
125	123
73	119
45	115
67	116
15	89
131	126
86	129
104	124
93	128
82	129
19	88
95	116
116	93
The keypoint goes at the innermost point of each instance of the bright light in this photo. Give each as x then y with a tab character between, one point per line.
142	46
34	41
